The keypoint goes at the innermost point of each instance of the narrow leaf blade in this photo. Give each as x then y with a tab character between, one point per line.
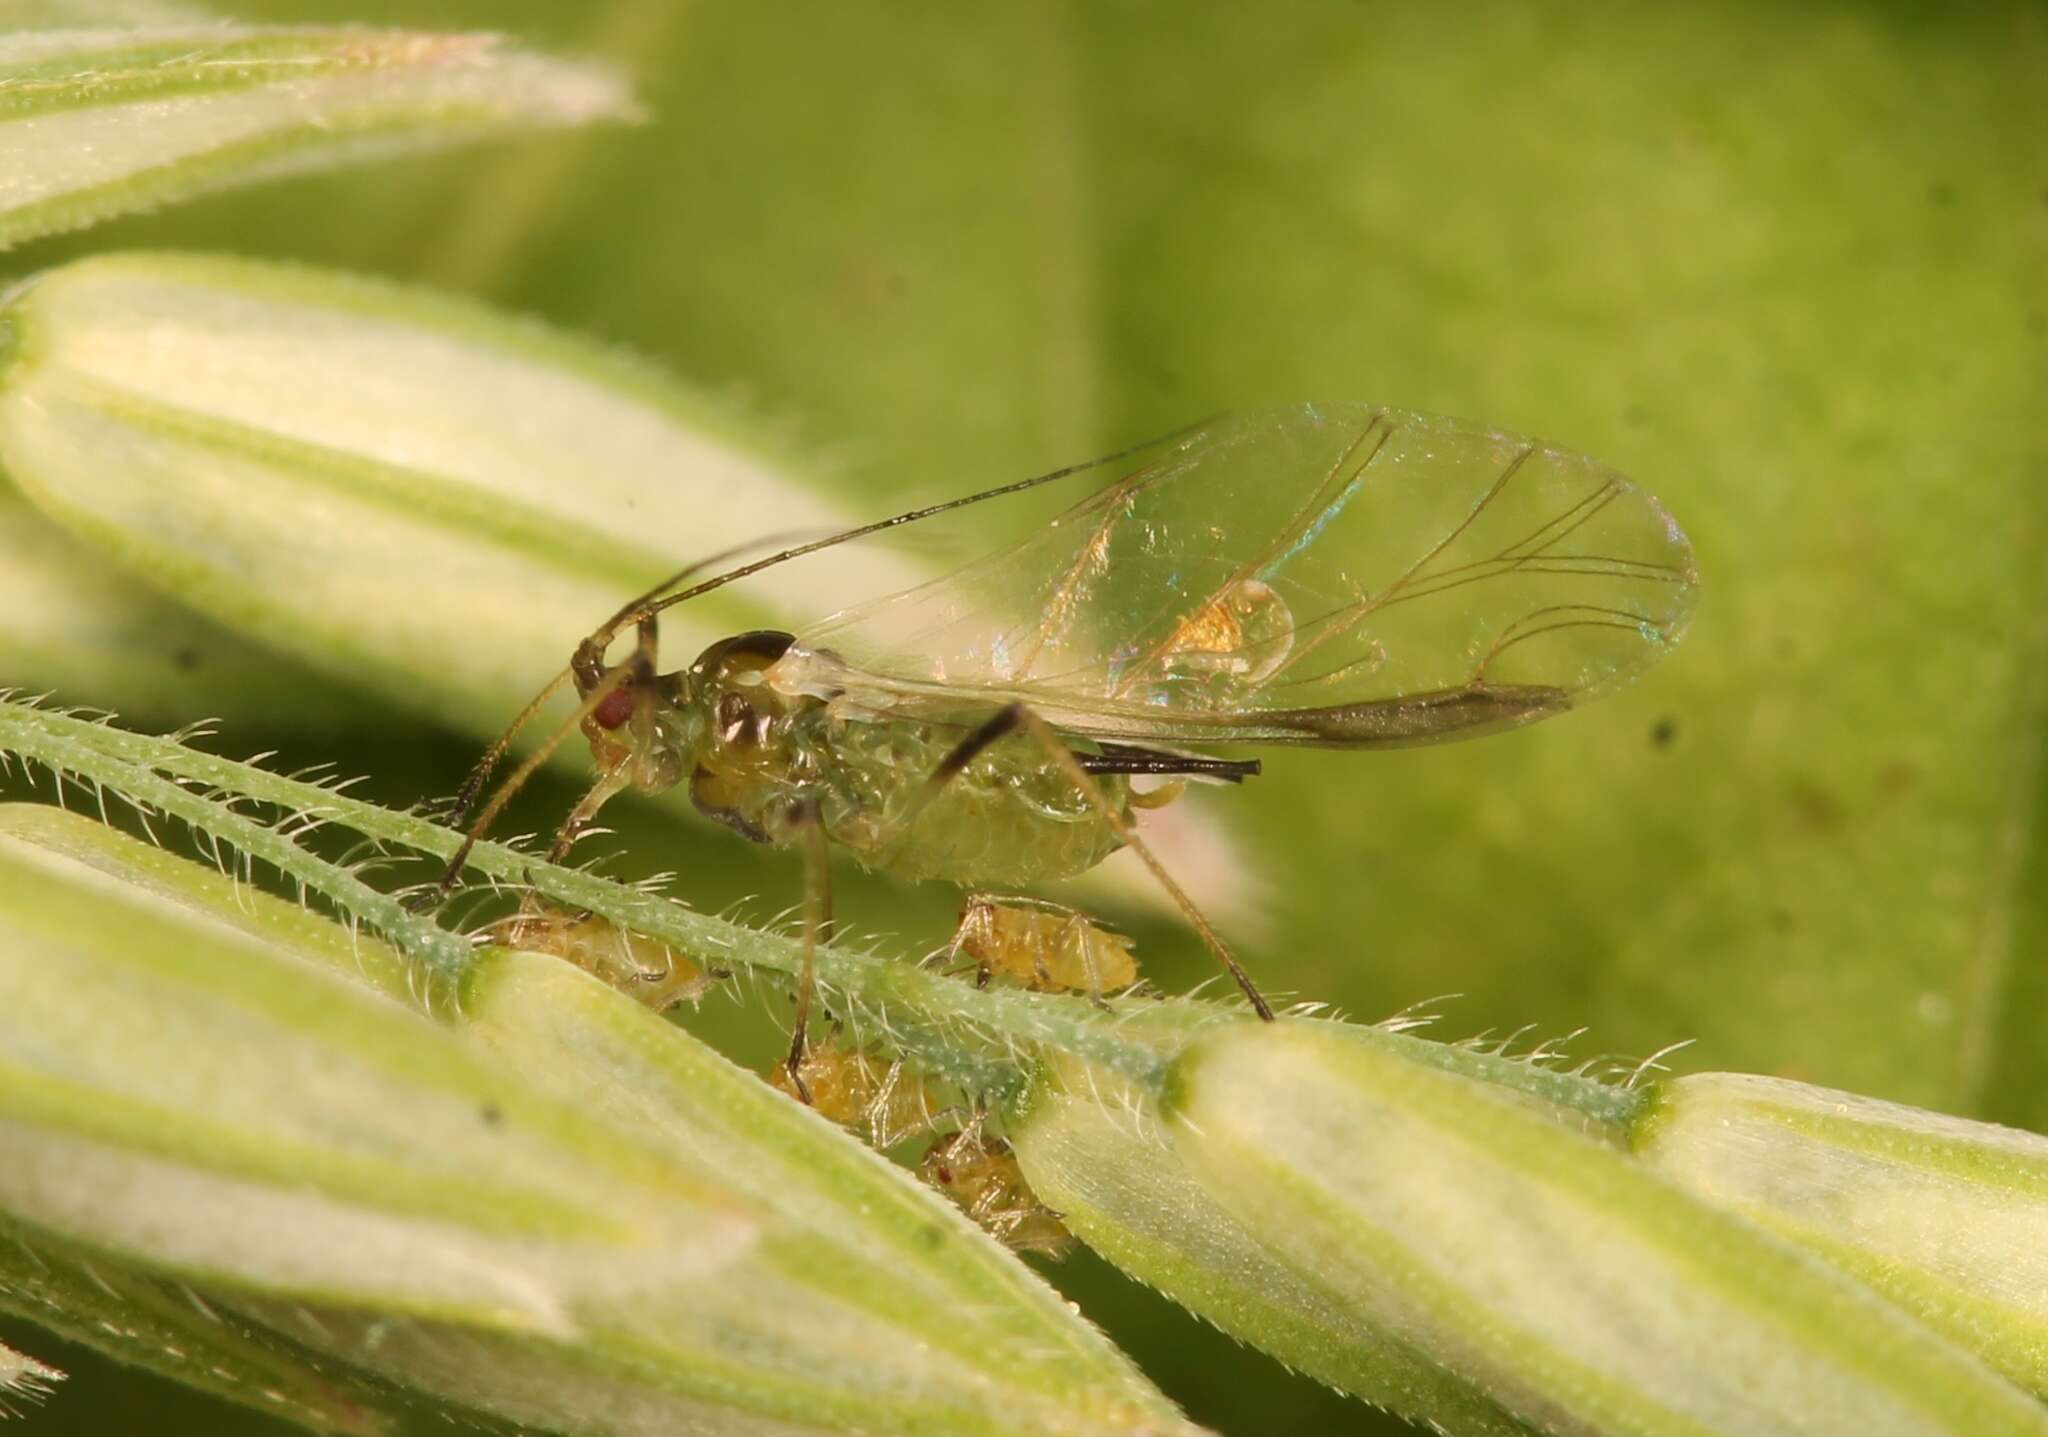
94	123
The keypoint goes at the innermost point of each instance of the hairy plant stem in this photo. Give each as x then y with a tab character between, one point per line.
986	1039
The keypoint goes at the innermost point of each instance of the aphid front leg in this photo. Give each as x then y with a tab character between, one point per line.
609	697
608	786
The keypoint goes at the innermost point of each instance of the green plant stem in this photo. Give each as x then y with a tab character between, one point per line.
986	1039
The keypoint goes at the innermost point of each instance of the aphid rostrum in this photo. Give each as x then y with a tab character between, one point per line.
1331	575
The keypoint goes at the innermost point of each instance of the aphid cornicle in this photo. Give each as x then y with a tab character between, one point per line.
1336	575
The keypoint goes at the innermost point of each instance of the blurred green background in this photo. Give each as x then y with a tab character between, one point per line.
1786	265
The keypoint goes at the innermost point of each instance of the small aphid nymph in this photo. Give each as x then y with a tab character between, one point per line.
982	1175
644	968
883	1099
1042	946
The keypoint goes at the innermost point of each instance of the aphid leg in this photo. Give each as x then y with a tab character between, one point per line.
805	818
473	786
601	792
610	684
976	934
1161	796
597	684
1018	717
647	633
1074	936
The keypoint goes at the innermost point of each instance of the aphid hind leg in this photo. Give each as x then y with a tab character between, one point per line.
1020	718
804	818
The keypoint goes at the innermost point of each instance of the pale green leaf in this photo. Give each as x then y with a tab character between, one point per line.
1094	1148
405	490
73	624
167	1328
1948	1218
1545	1267
97	122
556	1208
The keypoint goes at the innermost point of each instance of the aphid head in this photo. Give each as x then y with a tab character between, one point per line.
646	738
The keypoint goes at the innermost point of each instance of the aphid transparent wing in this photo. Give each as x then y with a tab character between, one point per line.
1336	574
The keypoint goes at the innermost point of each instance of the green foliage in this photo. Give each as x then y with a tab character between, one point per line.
1784	267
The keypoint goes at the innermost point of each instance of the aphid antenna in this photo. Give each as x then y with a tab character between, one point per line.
1200	990
649	604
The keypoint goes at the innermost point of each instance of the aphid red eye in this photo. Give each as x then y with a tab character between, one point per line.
613	709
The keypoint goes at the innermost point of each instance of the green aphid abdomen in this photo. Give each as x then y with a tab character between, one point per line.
1012	817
